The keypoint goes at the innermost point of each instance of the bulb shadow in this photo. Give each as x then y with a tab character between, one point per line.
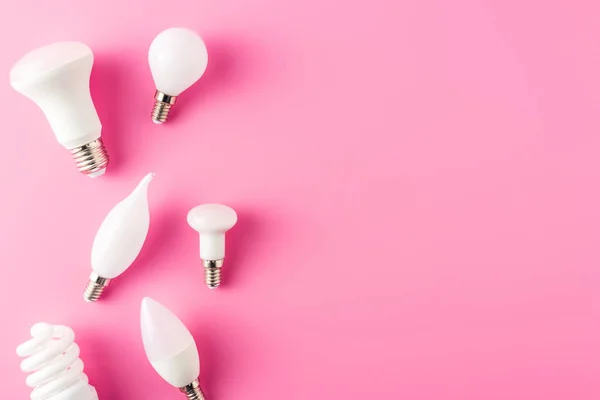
248	241
107	85
213	356
166	231
223	72
210	368
219	351
100	367
240	241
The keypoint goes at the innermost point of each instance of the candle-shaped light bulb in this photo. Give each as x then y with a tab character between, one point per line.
119	239
211	221
170	348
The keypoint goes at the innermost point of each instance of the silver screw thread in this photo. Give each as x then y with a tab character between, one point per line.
162	107
193	391
94	288
212	273
91	158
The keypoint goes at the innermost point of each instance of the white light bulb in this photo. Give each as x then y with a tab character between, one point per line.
119	239
57	78
170	348
56	371
177	58
211	221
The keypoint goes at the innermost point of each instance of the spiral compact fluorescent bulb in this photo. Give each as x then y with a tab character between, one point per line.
56	77
211	221
119	239
170	348
177	58
56	371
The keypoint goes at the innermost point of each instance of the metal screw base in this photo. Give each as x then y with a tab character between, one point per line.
212	273
91	158
95	287
162	107
193	391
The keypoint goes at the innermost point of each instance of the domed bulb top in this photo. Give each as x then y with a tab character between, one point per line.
212	217
169	345
177	58
56	77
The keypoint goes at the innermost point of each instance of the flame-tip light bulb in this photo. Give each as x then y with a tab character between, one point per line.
119	239
57	78
52	360
170	348
177	58
212	221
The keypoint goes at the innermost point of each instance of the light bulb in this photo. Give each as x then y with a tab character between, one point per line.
177	58
119	239
56	77
56	371
170	348
212	221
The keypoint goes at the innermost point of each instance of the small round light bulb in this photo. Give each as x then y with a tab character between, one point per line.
211	221
57	78
170	348
177	58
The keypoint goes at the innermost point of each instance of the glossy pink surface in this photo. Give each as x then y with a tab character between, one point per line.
416	184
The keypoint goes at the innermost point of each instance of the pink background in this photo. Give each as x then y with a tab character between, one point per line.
416	181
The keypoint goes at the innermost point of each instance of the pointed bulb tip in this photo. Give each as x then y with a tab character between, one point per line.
146	300
146	180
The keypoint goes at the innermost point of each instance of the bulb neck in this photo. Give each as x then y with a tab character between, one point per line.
212	246
95	287
193	391
91	159
162	107
212	263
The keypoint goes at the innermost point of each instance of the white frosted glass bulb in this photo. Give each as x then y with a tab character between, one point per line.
52	360
177	58
119	239
170	348
57	78
212	221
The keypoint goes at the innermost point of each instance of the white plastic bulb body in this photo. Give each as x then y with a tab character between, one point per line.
212	221
119	239
56	371
169	345
56	77
177	58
